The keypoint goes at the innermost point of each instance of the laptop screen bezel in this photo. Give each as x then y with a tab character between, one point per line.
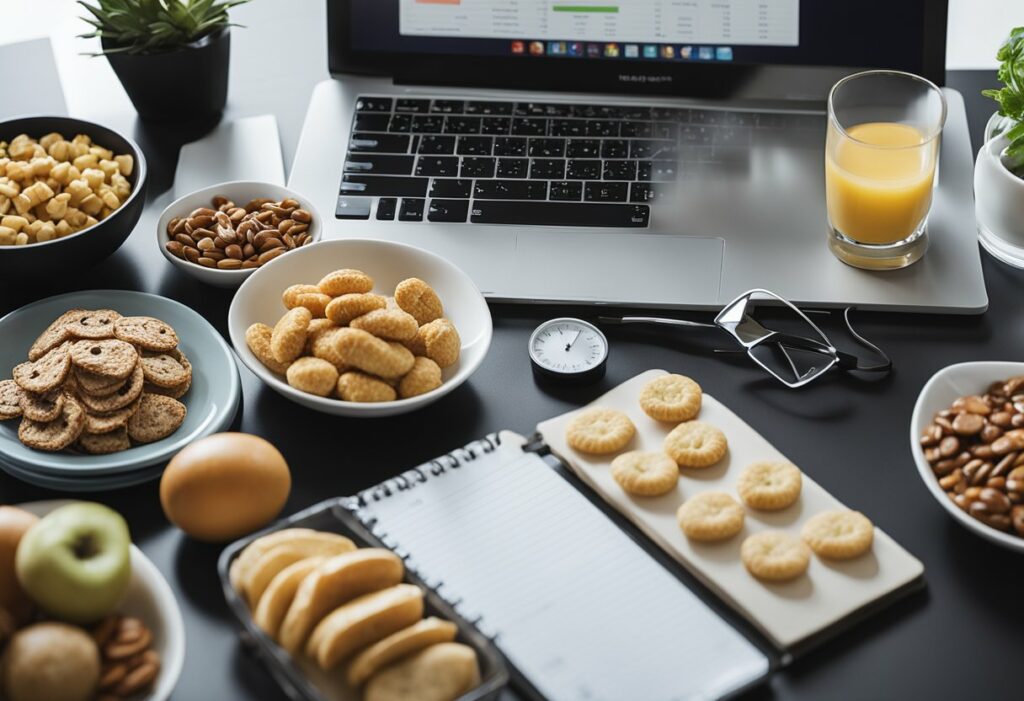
715	81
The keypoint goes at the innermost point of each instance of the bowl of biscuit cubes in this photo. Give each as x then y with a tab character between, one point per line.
360	328
71	192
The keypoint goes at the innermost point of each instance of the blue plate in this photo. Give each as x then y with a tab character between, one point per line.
212	400
83	483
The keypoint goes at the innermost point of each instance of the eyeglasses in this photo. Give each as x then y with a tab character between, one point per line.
795	352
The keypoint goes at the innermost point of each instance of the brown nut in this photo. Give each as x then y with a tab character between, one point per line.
233	251
103	631
120	649
207	262
990	433
1001	419
951	480
229	264
183	240
972	405
138	679
191	254
949	446
995	500
175	249
967	424
1017	519
270	255
112	674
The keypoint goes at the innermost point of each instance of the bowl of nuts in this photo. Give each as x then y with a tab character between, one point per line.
223	233
71	192
967	437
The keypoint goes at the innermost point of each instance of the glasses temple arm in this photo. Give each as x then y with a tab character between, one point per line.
657	321
852	362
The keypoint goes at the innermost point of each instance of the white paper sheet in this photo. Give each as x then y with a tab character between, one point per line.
240	149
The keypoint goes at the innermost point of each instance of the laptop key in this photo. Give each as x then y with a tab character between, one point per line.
373	104
448	210
495	125
383	186
412	209
386	208
529	127
531	109
664	171
513	167
462	125
642	149
666	130
440	166
583	148
606	192
377	164
583	170
509	146
567	127
353	208
378	143
602	127
448	106
614	148
547	148
510	190
400	123
475	145
547	168
620	170
371	122
451	188
437	145
641	192
428	123
643	170
485	108
636	130
477	167
411	105
566	190
559	213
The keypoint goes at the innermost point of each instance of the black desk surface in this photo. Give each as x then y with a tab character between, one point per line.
959	638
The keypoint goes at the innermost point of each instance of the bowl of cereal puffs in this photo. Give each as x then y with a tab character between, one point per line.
360	327
71	192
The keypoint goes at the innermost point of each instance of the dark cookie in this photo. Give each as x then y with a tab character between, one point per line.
165	370
97	324
42	407
55	334
10	400
103	443
111	420
57	434
158	417
109	357
146	332
46	373
119	399
97	385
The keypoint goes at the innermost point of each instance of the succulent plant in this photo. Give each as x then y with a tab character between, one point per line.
151	26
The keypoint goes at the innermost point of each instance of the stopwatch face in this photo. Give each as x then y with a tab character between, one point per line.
568	349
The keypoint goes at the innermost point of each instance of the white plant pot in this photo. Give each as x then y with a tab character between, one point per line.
999	204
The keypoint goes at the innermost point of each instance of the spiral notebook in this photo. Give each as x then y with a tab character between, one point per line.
577	606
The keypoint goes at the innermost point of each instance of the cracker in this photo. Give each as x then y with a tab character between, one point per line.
54	335
289	335
107	357
389	324
290	297
775	556
10	400
696	444
424	377
671	398
146	332
46	373
158	417
97	385
438	340
106	422
370	354
104	443
164	370
359	387
425	633
325	346
316	327
313	375
57	434
119	399
315	302
93	324
839	534
769	486
600	431
437	673
343	282
419	299
710	516
257	337
42	407
645	474
345	308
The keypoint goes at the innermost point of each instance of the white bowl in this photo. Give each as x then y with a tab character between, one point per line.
938	393
240	192
259	300
151	600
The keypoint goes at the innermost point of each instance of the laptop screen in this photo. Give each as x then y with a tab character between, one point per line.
652	37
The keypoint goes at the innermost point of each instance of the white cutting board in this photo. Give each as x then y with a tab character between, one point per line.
788	612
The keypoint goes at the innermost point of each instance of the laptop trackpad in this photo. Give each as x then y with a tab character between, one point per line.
621	268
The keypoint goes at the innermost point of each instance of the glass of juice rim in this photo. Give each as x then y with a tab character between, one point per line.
881	154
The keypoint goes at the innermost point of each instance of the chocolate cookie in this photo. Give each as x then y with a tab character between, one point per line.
95	324
111	420
146	332
103	443
165	370
46	373
96	385
42	407
10	400
57	434
158	417
119	399
109	357
55	334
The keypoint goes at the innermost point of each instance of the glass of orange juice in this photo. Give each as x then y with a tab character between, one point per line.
881	154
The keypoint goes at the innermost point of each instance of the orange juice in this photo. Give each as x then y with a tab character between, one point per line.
878	181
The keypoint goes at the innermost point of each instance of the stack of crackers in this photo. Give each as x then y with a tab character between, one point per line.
100	382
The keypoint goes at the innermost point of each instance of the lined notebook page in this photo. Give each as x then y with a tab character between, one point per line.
579	608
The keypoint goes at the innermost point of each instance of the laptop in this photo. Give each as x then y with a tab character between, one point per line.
644	153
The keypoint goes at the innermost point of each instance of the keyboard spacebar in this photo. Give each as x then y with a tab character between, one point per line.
559	213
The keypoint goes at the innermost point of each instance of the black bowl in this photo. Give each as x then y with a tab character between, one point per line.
81	250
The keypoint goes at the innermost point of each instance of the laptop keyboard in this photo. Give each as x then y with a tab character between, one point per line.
561	164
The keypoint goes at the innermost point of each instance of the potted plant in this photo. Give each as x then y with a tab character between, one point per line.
999	172
171	56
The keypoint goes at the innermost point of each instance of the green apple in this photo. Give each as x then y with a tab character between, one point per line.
75	562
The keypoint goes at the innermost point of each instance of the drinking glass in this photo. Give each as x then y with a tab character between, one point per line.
881	154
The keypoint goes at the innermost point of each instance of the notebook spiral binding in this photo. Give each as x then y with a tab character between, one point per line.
407	481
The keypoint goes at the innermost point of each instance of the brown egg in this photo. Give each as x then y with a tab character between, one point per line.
225	486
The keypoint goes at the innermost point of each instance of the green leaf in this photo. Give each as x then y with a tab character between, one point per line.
1010	97
136	26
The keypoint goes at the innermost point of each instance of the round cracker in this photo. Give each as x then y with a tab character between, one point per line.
769	485
839	534
696	444
146	332
93	324
105	443
158	417
600	431
127	394
165	370
645	474
107	357
671	398
47	373
775	556
42	407
710	516
109	421
54	335
10	400
57	434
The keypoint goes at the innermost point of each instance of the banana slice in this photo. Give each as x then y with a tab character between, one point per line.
364	621
337	581
280	556
274	603
438	673
427	632
248	557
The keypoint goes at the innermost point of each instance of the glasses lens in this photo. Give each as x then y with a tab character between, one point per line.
792	362
793	366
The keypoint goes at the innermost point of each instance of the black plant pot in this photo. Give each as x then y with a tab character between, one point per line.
184	84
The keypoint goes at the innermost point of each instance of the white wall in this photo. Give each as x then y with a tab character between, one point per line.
977	28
